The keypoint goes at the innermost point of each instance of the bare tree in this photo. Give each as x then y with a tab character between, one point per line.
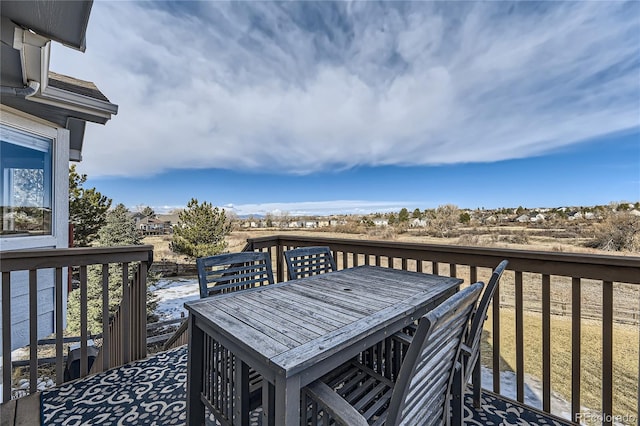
445	218
284	219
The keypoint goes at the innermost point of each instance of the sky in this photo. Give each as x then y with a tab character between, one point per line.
358	107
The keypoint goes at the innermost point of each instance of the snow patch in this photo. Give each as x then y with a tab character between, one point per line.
171	296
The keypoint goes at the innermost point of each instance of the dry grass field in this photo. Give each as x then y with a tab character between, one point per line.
625	358
626	302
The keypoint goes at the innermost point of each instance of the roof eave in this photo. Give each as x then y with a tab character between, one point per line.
63	21
76	102
34	54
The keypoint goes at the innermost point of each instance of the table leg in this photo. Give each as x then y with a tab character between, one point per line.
287	410
195	407
268	404
241	415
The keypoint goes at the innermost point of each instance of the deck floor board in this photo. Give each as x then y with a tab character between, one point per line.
153	392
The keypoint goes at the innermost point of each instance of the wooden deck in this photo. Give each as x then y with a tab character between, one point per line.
21	412
153	391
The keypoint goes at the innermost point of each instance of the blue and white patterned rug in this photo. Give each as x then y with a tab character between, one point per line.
153	392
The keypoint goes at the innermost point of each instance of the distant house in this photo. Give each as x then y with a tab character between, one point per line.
504	218
42	125
154	226
538	218
172	218
137	217
380	222
575	216
523	218
490	219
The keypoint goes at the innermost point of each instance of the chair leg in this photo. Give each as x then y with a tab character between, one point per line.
477	384
457	398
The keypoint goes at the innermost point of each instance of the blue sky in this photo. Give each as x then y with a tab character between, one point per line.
319	107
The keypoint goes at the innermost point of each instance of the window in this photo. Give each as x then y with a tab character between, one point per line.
25	183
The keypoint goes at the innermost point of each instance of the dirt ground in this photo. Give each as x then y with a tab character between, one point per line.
483	237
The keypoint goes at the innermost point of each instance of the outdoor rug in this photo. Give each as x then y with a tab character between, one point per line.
150	391
153	392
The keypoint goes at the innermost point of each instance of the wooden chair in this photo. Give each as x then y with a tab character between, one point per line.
224	273
356	395
306	261
470	350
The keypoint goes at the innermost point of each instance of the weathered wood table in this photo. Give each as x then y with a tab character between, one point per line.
295	332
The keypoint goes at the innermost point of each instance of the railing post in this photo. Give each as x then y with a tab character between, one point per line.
33	330
607	352
107	341
142	289
546	342
125	318
496	338
519	338
84	365
280	262
575	347
59	322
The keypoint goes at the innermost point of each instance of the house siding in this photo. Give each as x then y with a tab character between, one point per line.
58	239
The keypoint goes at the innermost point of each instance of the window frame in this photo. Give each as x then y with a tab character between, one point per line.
59	237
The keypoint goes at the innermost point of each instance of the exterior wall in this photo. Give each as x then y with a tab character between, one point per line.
58	239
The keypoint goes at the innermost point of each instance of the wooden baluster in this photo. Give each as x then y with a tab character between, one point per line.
6	336
496	339
106	338
125	317
576	307
59	323
519	338
33	330
546	342
607	351
83	322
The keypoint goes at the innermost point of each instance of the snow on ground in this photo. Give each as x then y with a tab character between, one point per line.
171	295
533	397
532	391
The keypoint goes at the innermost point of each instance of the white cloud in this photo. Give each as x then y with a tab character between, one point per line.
311	208
320	207
298	87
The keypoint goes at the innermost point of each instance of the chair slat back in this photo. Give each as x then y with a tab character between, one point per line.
307	261
233	271
478	318
421	393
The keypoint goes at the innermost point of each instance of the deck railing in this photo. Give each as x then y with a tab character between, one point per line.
543	284
123	334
